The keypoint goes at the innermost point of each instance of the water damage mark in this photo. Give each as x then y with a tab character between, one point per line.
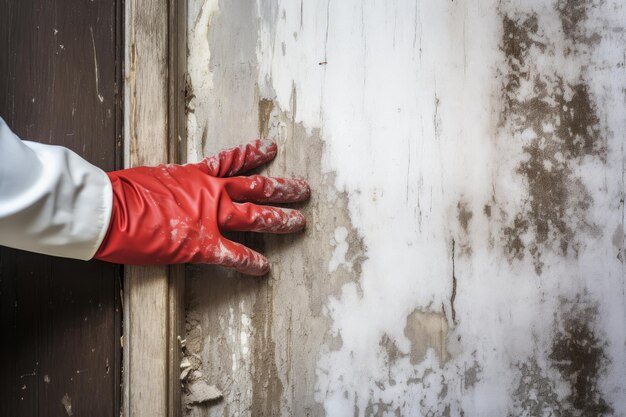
265	110
427	330
487	210
471	374
464	217
573	15
578	354
392	352
568	385
380	409
558	125
536	393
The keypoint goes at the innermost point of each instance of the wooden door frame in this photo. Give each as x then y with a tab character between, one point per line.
155	57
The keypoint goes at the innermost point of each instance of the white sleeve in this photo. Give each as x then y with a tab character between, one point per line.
51	200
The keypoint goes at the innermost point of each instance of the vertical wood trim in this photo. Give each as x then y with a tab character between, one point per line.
177	63
155	45
176	315
177	23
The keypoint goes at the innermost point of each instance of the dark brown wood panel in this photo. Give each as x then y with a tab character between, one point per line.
60	83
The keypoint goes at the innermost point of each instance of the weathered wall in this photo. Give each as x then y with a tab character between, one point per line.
464	247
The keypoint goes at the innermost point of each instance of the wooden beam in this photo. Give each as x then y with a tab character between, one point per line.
154	134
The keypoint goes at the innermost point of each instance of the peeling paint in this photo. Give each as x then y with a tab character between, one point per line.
536	393
276	377
463	240
426	331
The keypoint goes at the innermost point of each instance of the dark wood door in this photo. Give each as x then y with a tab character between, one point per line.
60	83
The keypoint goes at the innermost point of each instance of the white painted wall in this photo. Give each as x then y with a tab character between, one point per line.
465	241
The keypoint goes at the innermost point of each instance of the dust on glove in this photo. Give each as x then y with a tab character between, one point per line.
170	214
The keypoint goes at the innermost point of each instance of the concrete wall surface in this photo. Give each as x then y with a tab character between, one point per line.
465	241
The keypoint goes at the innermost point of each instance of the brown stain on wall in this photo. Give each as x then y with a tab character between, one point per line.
464	217
578	354
427	330
392	352
471	374
565	132
573	15
287	308
265	109
535	393
300	282
566	129
517	38
380	409
487	210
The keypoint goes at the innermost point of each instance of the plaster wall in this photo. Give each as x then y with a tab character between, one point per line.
465	239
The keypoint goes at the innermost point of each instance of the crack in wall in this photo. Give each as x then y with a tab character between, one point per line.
453	295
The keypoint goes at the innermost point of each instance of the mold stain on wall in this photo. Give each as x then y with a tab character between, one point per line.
558	125
460	250
550	109
577	357
577	352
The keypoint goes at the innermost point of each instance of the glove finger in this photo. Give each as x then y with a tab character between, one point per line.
267	190
253	218
237	256
240	159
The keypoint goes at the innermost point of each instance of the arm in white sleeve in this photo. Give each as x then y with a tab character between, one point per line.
51	200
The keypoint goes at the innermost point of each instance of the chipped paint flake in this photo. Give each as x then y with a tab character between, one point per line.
340	252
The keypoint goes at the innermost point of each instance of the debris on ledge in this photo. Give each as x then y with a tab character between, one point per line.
196	389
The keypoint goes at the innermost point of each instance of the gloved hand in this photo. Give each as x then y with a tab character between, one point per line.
174	213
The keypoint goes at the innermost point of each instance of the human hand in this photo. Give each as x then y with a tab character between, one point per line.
171	214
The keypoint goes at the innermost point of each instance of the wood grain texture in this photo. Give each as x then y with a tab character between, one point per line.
146	140
60	319
154	93
177	154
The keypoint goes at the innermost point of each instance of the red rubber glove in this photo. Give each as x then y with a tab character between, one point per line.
172	214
